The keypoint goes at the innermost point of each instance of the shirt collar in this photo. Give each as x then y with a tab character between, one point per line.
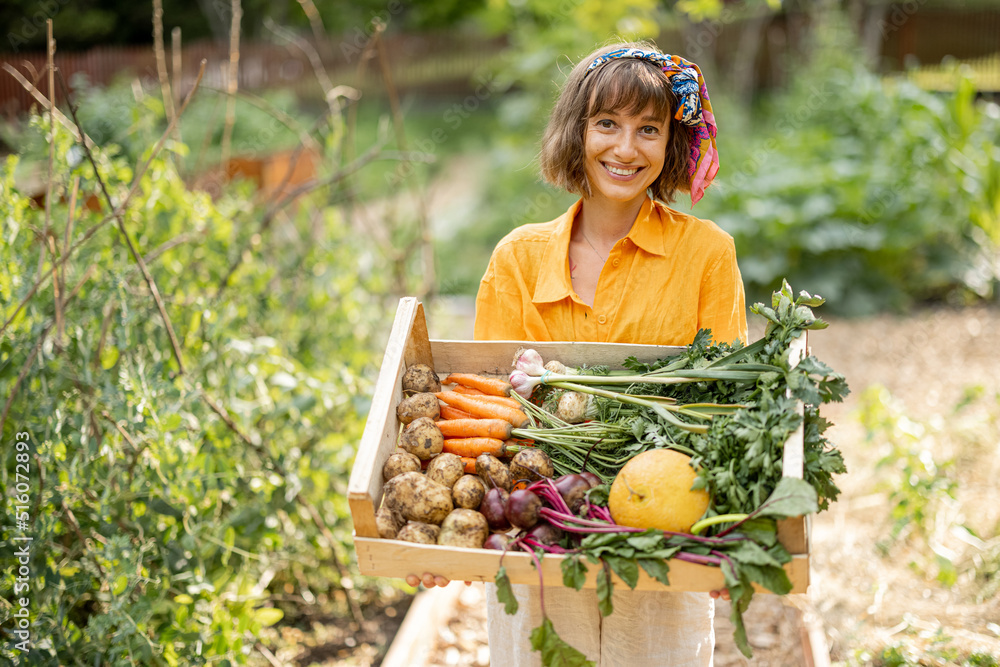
554	282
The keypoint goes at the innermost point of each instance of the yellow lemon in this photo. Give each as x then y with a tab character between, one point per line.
653	490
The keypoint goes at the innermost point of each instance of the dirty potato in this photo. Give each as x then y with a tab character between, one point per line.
531	464
468	492
418	405
493	472
398	463
422	438
464	528
421	533
388	523
420	378
417	498
445	469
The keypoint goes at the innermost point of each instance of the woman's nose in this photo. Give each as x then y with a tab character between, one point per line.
626	148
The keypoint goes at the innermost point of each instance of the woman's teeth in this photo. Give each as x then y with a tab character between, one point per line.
621	172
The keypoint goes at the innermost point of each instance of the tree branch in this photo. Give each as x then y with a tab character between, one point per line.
116	211
120	218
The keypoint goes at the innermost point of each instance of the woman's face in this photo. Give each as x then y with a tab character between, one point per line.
624	154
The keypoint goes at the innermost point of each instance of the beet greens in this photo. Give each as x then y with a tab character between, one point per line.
747	552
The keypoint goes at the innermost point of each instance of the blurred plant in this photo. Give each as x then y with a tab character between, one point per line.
874	193
182	485
916	484
924	468
923	649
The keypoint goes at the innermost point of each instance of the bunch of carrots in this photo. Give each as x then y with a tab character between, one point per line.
477	417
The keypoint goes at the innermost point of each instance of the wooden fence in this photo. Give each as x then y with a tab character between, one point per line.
415	60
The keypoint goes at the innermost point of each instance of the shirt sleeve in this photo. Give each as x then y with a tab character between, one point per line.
498	311
722	304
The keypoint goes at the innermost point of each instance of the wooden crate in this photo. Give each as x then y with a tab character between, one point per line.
409	344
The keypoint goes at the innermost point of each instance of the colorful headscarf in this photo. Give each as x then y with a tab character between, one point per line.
694	111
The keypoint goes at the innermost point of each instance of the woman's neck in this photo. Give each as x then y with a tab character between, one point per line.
604	222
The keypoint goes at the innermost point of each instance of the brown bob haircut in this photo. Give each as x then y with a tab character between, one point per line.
626	85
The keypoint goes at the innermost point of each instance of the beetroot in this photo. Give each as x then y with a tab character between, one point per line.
493	506
522	508
572	488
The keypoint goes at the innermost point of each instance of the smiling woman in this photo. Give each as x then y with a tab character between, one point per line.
631	128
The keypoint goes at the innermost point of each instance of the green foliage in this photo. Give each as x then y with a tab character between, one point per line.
917	484
928	649
874	193
168	506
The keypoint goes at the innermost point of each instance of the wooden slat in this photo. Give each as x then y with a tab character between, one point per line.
392	558
418	347
793	533
496	357
364	489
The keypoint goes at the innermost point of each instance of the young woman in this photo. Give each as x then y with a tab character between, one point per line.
631	128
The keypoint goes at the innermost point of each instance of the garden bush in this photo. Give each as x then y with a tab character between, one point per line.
868	190
174	503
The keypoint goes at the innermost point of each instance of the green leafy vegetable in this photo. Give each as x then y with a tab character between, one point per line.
555	652
505	593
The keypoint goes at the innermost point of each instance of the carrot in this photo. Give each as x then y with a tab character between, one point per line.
470	464
462	389
448	412
519	442
472	428
499	400
487	385
477	407
473	447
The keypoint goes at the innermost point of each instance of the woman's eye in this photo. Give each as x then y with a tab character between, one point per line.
649	129
605	123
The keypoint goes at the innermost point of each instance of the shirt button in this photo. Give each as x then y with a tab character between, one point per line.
616	262
602	319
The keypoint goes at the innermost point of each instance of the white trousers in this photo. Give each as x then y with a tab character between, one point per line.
646	629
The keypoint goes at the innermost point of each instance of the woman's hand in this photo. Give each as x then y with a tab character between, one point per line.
721	593
429	580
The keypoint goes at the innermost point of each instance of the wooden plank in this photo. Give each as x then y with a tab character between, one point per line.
389	558
793	533
497	357
418	347
364	489
413	645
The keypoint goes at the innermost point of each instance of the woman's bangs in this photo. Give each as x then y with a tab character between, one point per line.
629	86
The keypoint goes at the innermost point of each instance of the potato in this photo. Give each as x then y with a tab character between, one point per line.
468	492
388	523
399	463
464	528
531	464
445	469
420	378
493	472
418	405
417	498
421	533
422	438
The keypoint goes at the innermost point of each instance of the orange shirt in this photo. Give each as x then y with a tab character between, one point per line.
672	275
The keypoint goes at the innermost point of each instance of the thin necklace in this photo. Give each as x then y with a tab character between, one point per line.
603	259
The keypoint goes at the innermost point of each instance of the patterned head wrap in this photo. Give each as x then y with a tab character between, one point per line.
694	111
